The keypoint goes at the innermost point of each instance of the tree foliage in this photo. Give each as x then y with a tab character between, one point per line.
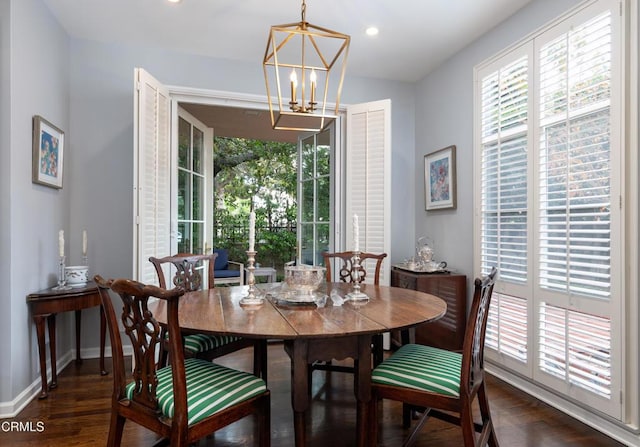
259	176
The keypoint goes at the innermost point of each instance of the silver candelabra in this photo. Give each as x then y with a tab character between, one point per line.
252	298
356	294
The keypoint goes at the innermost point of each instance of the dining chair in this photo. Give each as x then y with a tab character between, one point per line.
185	401
346	273
441	383
208	347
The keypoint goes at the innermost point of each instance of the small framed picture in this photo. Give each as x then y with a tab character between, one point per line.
48	153
440	179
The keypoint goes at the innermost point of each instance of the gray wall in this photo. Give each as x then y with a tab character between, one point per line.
5	202
37	57
444	116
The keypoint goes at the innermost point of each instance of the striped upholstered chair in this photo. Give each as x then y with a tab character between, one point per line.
441	383
185	401
187	268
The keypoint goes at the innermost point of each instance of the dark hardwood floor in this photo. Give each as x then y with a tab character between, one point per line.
77	414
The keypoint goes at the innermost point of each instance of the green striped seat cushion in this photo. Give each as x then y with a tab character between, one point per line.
210	388
201	343
422	368
196	343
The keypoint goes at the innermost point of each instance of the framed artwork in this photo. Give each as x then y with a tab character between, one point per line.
48	153
440	179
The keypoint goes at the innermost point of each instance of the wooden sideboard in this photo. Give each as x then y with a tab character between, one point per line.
447	332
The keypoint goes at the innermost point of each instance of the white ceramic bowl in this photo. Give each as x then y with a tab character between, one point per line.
76	274
303	279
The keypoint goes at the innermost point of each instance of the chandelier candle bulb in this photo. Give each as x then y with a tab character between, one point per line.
313	79
356	233
294	84
84	243
252	230
61	243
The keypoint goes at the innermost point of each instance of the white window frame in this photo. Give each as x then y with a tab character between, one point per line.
207	187
315	222
615	406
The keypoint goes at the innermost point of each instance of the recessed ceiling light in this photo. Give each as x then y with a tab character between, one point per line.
372	31
174	1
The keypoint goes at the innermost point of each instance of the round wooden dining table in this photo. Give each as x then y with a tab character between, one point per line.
311	333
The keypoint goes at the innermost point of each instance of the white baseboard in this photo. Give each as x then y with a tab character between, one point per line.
12	408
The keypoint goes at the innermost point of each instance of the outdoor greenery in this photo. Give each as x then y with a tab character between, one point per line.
259	176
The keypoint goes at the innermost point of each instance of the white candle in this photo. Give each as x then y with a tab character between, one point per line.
356	233
252	230
294	84
61	243
313	79
84	242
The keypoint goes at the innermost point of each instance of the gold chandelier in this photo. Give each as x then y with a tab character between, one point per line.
298	62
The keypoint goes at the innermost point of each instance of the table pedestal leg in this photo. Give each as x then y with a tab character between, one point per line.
39	321
78	326
51	322
304	351
300	396
363	389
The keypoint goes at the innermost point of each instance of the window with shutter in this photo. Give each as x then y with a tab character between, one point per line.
574	161
504	236
547	181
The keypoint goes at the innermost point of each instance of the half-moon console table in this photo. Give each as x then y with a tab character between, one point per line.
45	305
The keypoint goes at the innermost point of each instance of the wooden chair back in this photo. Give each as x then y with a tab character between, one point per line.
346	272
139	401
187	270
473	348
145	335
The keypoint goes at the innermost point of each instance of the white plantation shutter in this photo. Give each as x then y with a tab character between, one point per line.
575	160
504	170
504	235
548	129
507	327
151	175
368	179
575	348
578	187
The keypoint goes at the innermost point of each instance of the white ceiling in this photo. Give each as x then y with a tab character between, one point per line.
415	35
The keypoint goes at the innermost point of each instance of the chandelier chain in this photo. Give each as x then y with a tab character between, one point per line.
304	11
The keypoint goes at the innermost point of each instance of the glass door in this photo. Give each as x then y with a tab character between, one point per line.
194	193
315	196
